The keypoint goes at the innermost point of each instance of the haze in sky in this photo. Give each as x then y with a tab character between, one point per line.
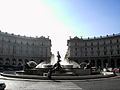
60	19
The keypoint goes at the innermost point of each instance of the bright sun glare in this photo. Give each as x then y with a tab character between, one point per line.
34	18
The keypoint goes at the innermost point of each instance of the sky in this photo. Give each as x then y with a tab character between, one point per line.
60	19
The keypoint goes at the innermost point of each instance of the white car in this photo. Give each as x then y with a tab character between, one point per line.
2	85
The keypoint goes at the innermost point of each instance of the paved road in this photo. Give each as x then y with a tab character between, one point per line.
28	84
100	84
95	84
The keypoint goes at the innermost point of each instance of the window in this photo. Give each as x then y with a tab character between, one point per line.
104	43
104	48
20	60
98	52
110	41
75	44
27	43
9	40
85	53
98	48
117	40
118	52
105	52
98	43
111	52
1	61
91	48
117	46
91	43
19	64
92	52
75	49
76	54
33	44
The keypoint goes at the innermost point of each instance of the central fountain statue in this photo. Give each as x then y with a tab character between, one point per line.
56	67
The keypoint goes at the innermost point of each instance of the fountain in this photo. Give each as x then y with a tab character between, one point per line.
42	69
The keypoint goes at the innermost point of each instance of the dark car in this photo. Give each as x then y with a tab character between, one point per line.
2	85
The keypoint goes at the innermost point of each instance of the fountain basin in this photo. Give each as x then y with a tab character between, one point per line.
58	77
65	71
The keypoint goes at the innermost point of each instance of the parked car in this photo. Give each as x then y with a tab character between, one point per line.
116	70
2	85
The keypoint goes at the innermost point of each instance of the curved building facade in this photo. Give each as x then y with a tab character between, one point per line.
16	50
103	51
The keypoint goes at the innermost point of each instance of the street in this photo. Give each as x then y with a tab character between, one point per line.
30	84
100	84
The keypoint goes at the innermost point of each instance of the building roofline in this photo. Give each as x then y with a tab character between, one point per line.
95	38
20	36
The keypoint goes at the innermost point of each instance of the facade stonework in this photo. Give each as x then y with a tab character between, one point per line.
16	50
103	51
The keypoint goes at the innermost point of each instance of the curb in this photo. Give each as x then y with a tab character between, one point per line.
57	77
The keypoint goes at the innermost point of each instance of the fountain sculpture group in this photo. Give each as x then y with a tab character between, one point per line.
56	70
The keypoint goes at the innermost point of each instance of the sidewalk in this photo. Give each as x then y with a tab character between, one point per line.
106	75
